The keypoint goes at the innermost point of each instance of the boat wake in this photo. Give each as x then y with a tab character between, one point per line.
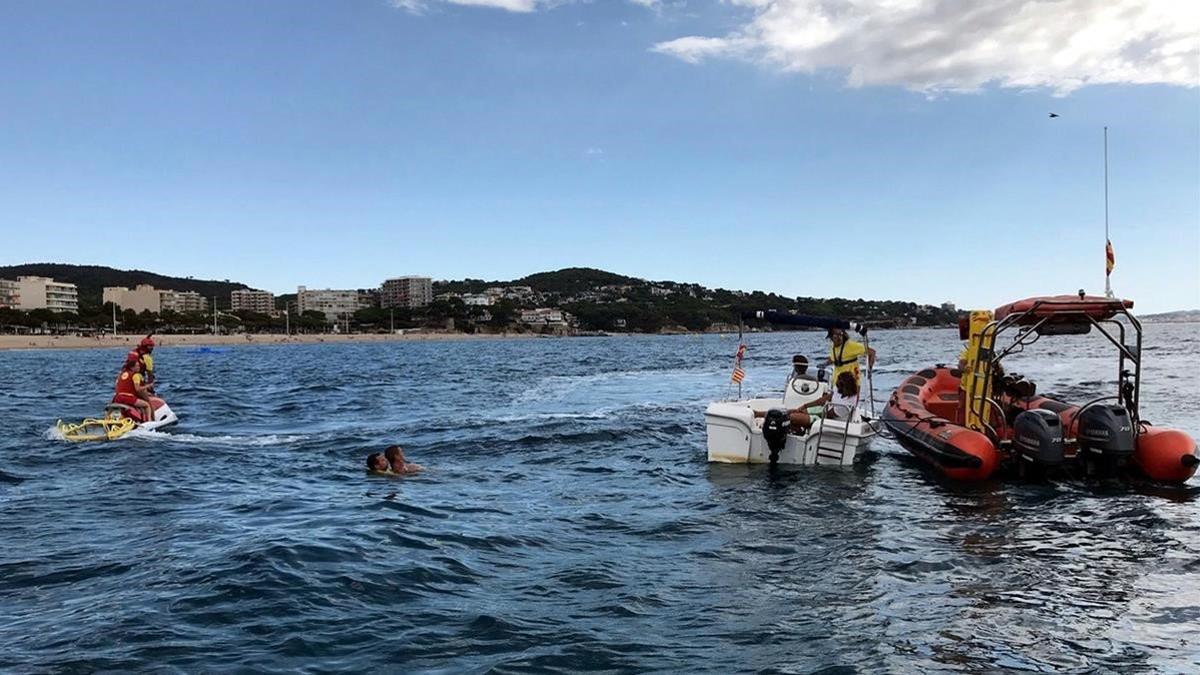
153	435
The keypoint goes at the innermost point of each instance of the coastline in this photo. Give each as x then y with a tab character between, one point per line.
17	342
32	342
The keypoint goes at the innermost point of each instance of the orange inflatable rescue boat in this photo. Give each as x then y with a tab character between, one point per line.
972	421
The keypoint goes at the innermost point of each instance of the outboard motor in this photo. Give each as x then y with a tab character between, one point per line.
1106	430
1038	437
775	430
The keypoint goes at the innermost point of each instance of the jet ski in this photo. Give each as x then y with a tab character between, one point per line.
118	420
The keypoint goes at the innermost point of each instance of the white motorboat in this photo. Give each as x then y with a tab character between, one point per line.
736	434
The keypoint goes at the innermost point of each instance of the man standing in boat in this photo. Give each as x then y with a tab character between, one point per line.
844	354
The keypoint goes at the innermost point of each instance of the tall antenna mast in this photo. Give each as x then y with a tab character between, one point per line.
1107	241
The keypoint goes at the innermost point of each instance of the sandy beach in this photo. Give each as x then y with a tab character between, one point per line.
8	342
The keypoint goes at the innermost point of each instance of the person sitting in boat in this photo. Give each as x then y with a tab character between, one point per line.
838	404
844	354
131	389
844	398
395	457
800	369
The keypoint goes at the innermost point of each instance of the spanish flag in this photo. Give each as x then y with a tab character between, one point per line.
738	373
1110	258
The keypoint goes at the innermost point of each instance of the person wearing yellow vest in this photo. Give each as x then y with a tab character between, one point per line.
145	349
844	354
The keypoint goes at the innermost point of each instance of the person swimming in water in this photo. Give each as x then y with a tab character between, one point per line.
391	462
377	463
395	457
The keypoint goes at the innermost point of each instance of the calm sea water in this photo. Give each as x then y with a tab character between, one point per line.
567	521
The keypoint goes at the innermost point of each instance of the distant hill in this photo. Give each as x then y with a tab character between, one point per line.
1181	316
599	300
91	280
573	280
603	300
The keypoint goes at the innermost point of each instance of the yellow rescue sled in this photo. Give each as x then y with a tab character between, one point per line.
91	429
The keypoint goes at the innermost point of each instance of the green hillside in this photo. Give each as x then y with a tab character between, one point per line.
598	301
91	280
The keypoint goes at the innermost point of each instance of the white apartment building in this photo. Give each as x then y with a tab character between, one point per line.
334	304
146	298
44	293
250	300
183	301
545	316
406	292
510	292
477	300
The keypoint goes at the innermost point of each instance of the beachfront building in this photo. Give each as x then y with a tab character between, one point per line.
42	293
406	292
142	298
477	300
183	301
334	304
147	298
10	294
545	316
250	300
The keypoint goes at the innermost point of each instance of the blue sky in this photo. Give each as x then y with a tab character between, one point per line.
897	153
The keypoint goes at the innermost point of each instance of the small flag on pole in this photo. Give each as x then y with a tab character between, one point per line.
738	373
1110	258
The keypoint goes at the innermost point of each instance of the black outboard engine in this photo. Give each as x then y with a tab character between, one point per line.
1038	438
775	430
1106	431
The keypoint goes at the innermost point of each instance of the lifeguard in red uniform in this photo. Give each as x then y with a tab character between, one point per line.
132	389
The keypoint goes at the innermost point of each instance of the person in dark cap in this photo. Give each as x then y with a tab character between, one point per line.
844	354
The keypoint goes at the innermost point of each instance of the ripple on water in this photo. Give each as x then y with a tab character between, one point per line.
567	522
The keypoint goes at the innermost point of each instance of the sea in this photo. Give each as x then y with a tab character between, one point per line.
566	520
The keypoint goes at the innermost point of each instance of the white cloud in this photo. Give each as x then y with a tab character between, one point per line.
961	45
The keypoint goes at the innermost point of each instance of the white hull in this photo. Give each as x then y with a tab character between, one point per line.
735	434
163	415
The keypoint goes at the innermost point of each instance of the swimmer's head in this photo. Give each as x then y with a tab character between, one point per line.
377	462
394	453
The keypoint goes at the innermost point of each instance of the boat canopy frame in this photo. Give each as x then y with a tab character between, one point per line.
1056	317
